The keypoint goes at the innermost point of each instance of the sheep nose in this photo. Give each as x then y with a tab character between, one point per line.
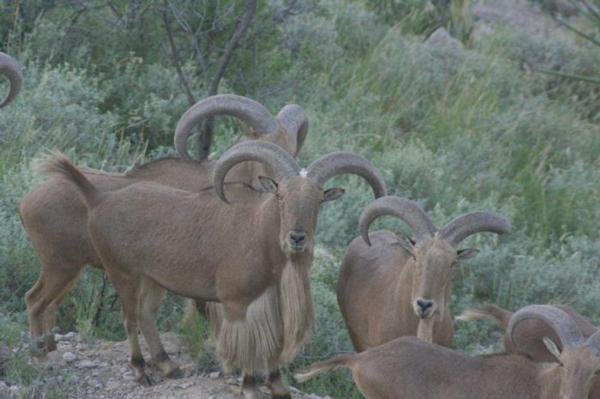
424	305
297	238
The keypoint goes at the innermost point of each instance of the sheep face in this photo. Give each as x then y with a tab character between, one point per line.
299	199
435	259
577	368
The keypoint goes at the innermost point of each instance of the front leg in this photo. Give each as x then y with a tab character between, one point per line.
249	388
276	383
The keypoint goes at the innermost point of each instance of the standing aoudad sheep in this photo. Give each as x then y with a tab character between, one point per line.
253	255
12	71
390	286
55	217
410	368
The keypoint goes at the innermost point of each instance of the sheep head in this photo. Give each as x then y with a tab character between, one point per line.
299	192
12	71
288	129
578	359
433	252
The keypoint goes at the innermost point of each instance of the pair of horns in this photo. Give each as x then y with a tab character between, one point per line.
561	322
412	214
12	71
291	118
283	165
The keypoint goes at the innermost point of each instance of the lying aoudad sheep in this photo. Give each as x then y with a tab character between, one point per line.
391	286
532	334
252	255
55	217
12	71
409	368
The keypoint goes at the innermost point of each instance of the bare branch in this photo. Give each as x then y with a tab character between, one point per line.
175	54
207	131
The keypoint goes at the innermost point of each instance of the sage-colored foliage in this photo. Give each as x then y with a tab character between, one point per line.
455	130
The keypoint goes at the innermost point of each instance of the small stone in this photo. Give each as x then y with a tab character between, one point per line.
86	364
214	375
442	39
185	385
69	357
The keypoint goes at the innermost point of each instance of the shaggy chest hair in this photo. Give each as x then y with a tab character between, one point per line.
277	323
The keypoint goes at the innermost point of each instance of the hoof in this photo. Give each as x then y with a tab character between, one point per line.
145	380
50	345
175	373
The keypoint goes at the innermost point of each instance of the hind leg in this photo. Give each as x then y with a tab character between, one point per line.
128	288
44	298
151	295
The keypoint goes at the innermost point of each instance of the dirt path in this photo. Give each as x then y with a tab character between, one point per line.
100	370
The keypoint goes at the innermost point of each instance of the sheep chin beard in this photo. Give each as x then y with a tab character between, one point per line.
296	306
425	329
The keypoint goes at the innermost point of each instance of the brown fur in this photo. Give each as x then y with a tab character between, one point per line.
378	285
55	219
143	227
532	332
408	368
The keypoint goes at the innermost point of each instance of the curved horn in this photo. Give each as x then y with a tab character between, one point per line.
295	123
409	211
269	154
342	162
474	222
563	325
594	342
12	71
249	111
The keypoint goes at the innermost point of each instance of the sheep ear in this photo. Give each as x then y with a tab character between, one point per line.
552	348
332	194
268	184
467	253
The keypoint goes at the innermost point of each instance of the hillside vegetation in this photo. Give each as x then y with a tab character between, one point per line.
457	128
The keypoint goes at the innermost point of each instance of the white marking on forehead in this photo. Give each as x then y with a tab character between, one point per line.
303	172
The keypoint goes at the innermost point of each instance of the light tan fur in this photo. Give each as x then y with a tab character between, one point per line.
296	309
253	341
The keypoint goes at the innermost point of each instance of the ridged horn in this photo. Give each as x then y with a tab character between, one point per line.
475	222
252	113
561	323
294	121
409	211
271	155
11	69
343	162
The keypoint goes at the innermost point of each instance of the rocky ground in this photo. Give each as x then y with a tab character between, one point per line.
100	370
